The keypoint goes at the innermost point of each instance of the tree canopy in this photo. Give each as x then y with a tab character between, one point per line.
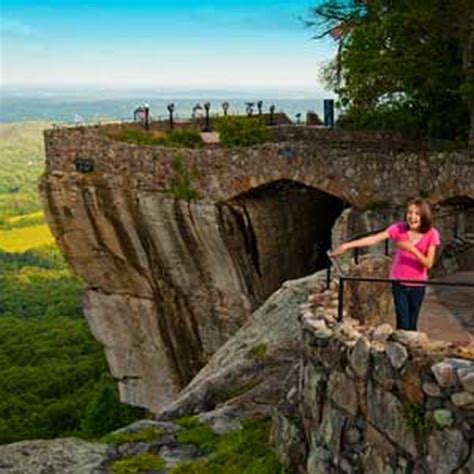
402	64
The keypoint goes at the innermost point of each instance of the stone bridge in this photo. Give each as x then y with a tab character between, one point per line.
362	169
169	280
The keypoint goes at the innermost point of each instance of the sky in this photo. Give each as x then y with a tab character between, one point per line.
182	43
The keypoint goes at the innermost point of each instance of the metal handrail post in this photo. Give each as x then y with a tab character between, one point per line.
343	279
328	276
340	299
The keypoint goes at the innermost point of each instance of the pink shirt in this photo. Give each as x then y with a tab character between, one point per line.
405	265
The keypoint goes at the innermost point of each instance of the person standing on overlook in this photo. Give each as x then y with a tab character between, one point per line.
416	240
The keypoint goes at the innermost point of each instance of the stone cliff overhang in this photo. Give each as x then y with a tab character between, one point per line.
169	279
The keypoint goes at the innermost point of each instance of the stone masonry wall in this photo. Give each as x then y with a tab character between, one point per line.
350	166
375	400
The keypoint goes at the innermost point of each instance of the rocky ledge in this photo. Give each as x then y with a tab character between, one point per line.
375	399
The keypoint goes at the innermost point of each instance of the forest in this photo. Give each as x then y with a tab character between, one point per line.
54	376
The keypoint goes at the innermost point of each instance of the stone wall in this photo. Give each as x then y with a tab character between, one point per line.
349	166
375	400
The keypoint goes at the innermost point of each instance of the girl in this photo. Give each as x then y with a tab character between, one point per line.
416	241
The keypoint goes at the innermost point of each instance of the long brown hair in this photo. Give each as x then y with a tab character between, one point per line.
426	217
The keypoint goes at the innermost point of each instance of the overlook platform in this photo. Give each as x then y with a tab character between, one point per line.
448	312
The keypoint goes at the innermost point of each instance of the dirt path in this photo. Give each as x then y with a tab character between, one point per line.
447	313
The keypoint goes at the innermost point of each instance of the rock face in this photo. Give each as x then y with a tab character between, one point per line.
170	280
66	456
371	303
256	368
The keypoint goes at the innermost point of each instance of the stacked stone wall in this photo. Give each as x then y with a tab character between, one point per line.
375	400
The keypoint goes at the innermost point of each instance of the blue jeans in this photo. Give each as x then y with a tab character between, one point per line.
407	300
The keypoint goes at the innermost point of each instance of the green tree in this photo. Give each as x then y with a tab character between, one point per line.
104	412
402	63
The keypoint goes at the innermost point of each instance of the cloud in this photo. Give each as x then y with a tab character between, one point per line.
10	27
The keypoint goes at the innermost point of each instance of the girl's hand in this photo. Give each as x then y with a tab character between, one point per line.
338	250
406	245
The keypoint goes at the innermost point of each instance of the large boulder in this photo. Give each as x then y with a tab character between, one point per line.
370	303
258	366
63	455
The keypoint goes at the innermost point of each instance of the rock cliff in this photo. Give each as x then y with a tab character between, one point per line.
170	280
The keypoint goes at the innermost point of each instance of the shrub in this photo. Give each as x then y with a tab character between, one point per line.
242	131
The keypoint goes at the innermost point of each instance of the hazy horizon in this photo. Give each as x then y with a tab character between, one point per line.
101	92
96	106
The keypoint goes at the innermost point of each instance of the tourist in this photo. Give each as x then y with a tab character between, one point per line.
416	240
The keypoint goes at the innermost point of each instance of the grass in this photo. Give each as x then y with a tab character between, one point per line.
245	451
197	433
25	238
144	462
181	183
25	220
416	418
147	434
33	216
186	138
258	352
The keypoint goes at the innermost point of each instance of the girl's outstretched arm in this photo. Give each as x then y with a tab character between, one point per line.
363	242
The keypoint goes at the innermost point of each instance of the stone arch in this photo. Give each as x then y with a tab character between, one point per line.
278	231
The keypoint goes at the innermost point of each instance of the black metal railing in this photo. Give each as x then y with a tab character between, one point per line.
344	278
356	252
